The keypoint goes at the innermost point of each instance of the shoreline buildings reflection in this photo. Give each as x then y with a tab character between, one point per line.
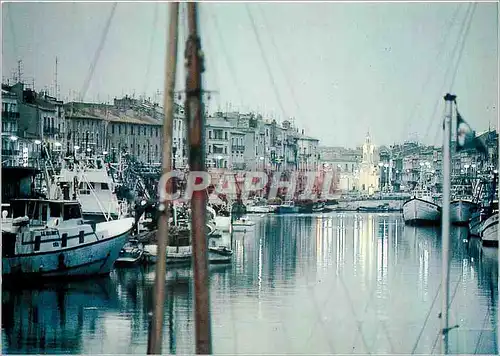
332	283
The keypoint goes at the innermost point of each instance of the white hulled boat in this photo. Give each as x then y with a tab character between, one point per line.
421	209
48	238
88	181
243	224
258	206
488	231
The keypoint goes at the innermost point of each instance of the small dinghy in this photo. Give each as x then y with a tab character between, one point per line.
131	254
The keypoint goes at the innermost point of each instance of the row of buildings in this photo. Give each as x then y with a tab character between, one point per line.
233	140
402	167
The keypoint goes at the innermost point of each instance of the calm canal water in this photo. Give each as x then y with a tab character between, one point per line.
339	283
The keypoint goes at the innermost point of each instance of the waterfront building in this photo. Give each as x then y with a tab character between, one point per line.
369	179
30	121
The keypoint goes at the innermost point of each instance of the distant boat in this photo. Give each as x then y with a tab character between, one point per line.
288	207
48	238
243	224
421	209
461	211
182	255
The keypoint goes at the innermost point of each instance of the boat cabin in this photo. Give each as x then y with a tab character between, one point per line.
46	212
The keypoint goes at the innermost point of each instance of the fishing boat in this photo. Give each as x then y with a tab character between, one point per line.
288	207
461	211
88	181
488	231
131	254
475	223
49	238
421	209
258	206
243	224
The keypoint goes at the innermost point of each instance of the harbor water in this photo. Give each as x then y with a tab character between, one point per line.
304	284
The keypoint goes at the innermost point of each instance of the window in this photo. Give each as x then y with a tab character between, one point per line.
125	130
81	237
55	210
144	130
209	133
225	135
64	240
119	129
157	132
104	186
131	130
37	242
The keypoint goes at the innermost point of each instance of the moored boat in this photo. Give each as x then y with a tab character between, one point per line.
421	210
131	254
461	211
288	207
49	239
488	231
243	224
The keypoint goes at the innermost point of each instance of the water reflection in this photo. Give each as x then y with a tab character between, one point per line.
335	283
54	318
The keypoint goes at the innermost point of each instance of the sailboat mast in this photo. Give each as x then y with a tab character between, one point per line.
156	330
194	113
445	226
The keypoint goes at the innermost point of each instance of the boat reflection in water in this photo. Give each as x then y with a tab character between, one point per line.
335	283
52	318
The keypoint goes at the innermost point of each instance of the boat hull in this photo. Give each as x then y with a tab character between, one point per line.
461	211
95	258
474	224
489	231
258	209
287	210
418	211
242	227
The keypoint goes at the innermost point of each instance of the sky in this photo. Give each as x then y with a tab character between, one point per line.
339	69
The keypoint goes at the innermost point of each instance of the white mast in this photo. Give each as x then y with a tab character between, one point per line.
445	226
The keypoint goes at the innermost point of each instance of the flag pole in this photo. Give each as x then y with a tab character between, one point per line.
445	225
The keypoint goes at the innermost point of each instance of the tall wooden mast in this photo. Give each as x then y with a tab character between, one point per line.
156	328
196	131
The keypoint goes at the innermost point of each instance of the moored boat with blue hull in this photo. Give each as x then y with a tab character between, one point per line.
49	239
421	211
461	211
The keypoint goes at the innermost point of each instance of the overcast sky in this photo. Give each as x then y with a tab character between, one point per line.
339	69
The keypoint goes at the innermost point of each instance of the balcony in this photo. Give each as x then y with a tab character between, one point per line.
10	115
51	131
237	148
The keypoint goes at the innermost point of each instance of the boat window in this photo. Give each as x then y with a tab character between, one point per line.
64	240
71	211
104	186
55	210
81	237
33	210
37	242
45	211
8	244
18	209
